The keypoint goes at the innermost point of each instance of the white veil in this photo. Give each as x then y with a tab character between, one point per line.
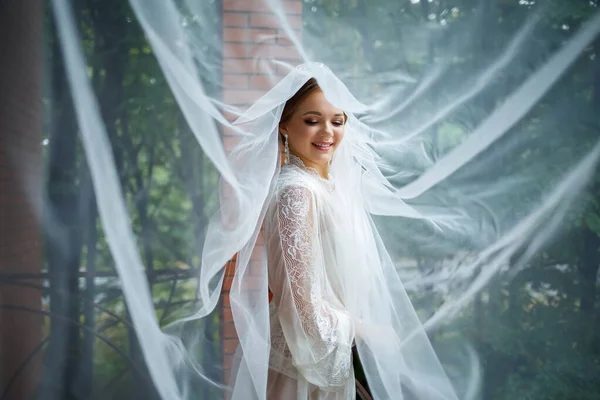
446	204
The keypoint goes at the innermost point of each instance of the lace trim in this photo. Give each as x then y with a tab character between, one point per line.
297	161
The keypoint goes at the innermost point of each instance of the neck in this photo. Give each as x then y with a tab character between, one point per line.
322	169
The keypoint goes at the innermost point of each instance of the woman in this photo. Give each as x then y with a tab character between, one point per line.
311	332
332	281
312	329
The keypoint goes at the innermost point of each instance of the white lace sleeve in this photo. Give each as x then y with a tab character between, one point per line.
320	334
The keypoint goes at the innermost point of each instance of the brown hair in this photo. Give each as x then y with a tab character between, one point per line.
290	106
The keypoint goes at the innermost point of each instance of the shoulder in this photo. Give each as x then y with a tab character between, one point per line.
294	204
294	195
293	181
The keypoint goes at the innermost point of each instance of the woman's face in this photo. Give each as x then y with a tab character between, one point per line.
315	130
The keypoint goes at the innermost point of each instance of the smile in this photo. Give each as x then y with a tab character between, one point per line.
323	146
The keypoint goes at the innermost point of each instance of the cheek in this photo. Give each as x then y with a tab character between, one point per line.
302	135
306	133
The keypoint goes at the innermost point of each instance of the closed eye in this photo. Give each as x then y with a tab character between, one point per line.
313	122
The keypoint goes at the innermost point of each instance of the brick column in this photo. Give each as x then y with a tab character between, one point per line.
251	37
21	24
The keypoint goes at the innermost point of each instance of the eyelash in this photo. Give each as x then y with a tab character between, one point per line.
336	123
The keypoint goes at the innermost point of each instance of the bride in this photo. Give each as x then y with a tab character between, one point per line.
310	327
327	273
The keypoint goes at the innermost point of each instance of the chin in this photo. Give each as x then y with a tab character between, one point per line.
322	159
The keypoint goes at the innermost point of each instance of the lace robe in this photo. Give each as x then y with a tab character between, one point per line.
311	332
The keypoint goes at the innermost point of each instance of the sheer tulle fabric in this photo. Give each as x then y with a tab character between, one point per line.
327	259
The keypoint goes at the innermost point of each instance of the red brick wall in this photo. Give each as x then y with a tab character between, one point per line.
20	186
250	38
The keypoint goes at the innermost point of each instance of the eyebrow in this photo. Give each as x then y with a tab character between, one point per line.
319	114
